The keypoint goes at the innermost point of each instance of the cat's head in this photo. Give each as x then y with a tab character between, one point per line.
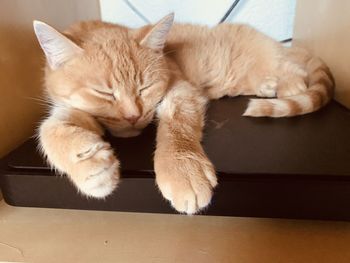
116	74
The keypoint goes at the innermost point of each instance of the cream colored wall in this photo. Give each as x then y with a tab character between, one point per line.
21	60
323	26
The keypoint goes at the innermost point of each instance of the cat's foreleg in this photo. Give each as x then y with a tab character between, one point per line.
71	140
184	174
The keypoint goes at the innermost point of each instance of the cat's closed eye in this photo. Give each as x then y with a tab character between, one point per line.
107	95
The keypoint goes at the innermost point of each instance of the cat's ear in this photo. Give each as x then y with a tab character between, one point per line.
58	49
156	37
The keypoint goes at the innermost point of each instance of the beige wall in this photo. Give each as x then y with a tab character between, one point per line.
21	60
323	26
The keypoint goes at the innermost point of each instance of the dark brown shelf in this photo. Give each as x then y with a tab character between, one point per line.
290	168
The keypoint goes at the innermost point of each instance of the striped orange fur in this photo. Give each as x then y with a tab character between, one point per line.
319	91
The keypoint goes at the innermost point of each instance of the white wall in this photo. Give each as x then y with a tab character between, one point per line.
274	17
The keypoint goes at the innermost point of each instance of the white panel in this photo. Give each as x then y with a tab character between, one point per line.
207	12
272	17
117	11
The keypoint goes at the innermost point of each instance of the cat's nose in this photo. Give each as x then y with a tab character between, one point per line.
132	118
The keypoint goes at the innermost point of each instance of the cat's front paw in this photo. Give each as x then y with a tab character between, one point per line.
96	171
187	181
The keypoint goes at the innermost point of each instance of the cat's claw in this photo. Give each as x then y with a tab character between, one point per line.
98	175
101	184
187	183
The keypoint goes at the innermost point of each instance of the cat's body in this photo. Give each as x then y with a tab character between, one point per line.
121	78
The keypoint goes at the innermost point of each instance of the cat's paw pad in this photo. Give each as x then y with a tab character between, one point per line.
268	88
188	184
96	174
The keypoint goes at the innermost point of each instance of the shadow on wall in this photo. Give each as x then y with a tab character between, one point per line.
21	66
21	61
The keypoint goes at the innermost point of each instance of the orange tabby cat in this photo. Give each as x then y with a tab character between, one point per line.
101	75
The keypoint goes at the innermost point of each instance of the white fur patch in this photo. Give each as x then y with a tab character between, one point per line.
268	88
251	108
280	108
256	107
60	112
100	185
304	102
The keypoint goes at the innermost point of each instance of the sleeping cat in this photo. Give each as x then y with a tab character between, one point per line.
101	75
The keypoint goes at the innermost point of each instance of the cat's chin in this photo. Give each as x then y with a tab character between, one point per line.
126	133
